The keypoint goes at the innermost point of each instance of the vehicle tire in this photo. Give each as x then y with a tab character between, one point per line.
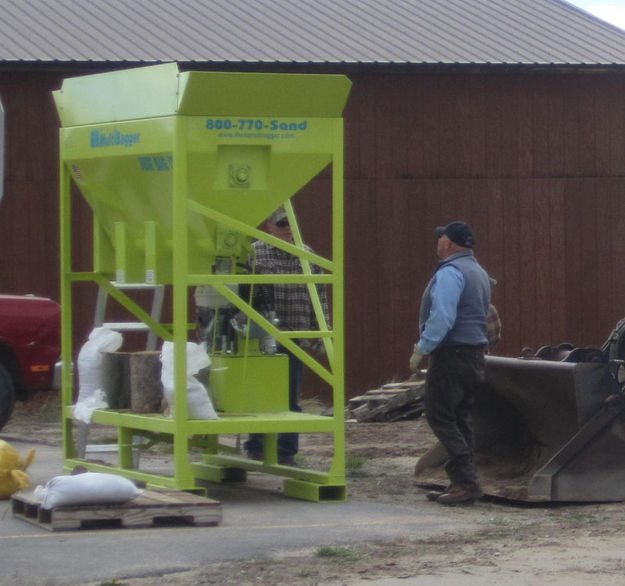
7	395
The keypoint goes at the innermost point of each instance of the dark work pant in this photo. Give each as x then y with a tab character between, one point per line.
453	374
288	443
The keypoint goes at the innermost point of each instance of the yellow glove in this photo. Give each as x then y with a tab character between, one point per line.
416	359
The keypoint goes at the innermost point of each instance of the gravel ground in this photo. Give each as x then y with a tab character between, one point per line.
553	544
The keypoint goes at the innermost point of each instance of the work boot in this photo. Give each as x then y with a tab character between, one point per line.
433	495
456	495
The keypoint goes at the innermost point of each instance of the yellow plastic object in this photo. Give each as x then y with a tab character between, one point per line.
12	469
179	182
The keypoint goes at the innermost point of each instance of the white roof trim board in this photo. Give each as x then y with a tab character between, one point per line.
540	32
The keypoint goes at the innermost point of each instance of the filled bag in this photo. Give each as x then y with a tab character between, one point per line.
90	393
199	404
90	488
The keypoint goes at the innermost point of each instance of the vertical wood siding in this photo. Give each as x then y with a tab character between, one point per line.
535	161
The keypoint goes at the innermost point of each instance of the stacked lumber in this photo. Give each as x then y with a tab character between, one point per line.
391	402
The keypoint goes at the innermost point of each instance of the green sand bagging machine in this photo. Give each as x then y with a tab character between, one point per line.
180	169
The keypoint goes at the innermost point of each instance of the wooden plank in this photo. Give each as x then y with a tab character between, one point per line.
430	138
587	155
512	272
540	95
454	127
408	144
573	138
153	508
409	384
477	125
555	99
557	270
591	241
526	253
501	126
612	93
492	242
575	278
393	404
544	259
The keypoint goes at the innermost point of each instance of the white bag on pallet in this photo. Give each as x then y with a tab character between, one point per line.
90	488
199	404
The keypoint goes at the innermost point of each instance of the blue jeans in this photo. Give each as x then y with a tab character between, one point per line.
288	443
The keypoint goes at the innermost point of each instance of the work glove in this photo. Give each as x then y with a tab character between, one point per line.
416	359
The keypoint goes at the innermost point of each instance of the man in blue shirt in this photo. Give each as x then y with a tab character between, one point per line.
453	332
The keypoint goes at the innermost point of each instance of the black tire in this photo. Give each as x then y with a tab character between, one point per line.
7	396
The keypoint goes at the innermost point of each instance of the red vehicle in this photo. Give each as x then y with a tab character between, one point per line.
30	347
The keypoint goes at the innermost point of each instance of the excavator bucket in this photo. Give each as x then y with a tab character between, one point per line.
545	430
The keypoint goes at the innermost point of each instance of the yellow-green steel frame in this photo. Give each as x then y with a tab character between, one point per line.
182	432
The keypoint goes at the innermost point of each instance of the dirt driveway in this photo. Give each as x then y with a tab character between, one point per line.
573	544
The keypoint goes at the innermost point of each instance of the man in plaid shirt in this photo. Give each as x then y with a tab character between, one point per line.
294	309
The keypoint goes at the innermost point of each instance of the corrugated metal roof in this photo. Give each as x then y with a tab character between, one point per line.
308	31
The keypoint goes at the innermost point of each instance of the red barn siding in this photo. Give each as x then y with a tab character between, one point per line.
535	161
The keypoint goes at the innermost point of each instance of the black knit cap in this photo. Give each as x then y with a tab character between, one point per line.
459	233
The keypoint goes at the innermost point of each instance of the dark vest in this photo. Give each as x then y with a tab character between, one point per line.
470	326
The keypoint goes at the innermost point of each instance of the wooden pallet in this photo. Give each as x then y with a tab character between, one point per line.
153	508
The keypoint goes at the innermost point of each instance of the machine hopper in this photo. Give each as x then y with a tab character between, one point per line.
138	142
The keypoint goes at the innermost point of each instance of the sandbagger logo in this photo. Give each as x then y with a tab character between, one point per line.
113	138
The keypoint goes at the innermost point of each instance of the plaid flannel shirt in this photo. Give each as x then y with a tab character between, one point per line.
292	302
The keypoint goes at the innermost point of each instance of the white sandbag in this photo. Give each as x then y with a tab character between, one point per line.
83	409
90	488
90	394
199	404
